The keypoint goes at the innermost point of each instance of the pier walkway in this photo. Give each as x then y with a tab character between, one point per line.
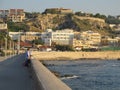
13	75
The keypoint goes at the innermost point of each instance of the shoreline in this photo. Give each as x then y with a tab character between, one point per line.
104	55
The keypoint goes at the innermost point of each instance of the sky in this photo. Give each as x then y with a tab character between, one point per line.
105	7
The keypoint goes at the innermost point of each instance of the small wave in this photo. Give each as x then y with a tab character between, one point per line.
114	65
69	77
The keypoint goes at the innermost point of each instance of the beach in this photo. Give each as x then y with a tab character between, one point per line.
102	55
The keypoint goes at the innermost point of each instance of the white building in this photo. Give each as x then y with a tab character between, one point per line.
87	39
113	41
62	37
3	26
24	35
92	37
14	35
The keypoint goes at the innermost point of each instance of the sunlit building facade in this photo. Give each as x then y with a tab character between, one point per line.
61	37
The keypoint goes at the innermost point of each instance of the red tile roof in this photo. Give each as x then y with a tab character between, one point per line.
25	44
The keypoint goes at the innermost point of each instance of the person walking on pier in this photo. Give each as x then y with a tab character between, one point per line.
28	57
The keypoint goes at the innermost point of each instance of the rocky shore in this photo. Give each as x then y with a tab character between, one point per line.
106	55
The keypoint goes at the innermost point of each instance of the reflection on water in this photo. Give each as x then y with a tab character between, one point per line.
88	74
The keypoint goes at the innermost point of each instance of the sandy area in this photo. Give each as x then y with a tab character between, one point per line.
109	55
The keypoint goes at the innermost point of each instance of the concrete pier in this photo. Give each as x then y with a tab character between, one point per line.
13	75
45	79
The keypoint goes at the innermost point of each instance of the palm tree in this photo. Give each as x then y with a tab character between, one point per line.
2	36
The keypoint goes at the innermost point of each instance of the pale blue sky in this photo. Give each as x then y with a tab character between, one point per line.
106	7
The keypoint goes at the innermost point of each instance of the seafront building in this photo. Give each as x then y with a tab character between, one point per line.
80	44
24	36
113	42
91	37
107	41
61	37
87	39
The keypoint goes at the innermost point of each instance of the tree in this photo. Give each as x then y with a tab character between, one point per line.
112	20
17	26
100	16
80	13
51	11
38	41
64	47
3	36
31	15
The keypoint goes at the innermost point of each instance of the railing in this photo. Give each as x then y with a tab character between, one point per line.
45	80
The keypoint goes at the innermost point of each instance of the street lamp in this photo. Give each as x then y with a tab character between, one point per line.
5	46
18	45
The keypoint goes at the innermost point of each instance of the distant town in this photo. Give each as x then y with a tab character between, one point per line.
67	37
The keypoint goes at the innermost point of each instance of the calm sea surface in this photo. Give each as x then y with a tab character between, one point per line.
88	74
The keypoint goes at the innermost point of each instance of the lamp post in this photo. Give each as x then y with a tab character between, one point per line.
10	47
13	47
5	46
18	46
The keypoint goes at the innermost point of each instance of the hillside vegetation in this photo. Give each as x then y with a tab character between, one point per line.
41	22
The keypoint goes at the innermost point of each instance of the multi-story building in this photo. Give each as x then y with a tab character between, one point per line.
87	39
91	37
1	19
24	36
107	41
4	13
81	43
62	37
113	42
15	15
3	27
29	37
78	44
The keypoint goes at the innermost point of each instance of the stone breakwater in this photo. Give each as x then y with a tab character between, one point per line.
108	55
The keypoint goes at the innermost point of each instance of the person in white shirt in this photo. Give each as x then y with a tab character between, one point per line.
28	57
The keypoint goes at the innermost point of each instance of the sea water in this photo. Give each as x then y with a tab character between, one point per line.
88	74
